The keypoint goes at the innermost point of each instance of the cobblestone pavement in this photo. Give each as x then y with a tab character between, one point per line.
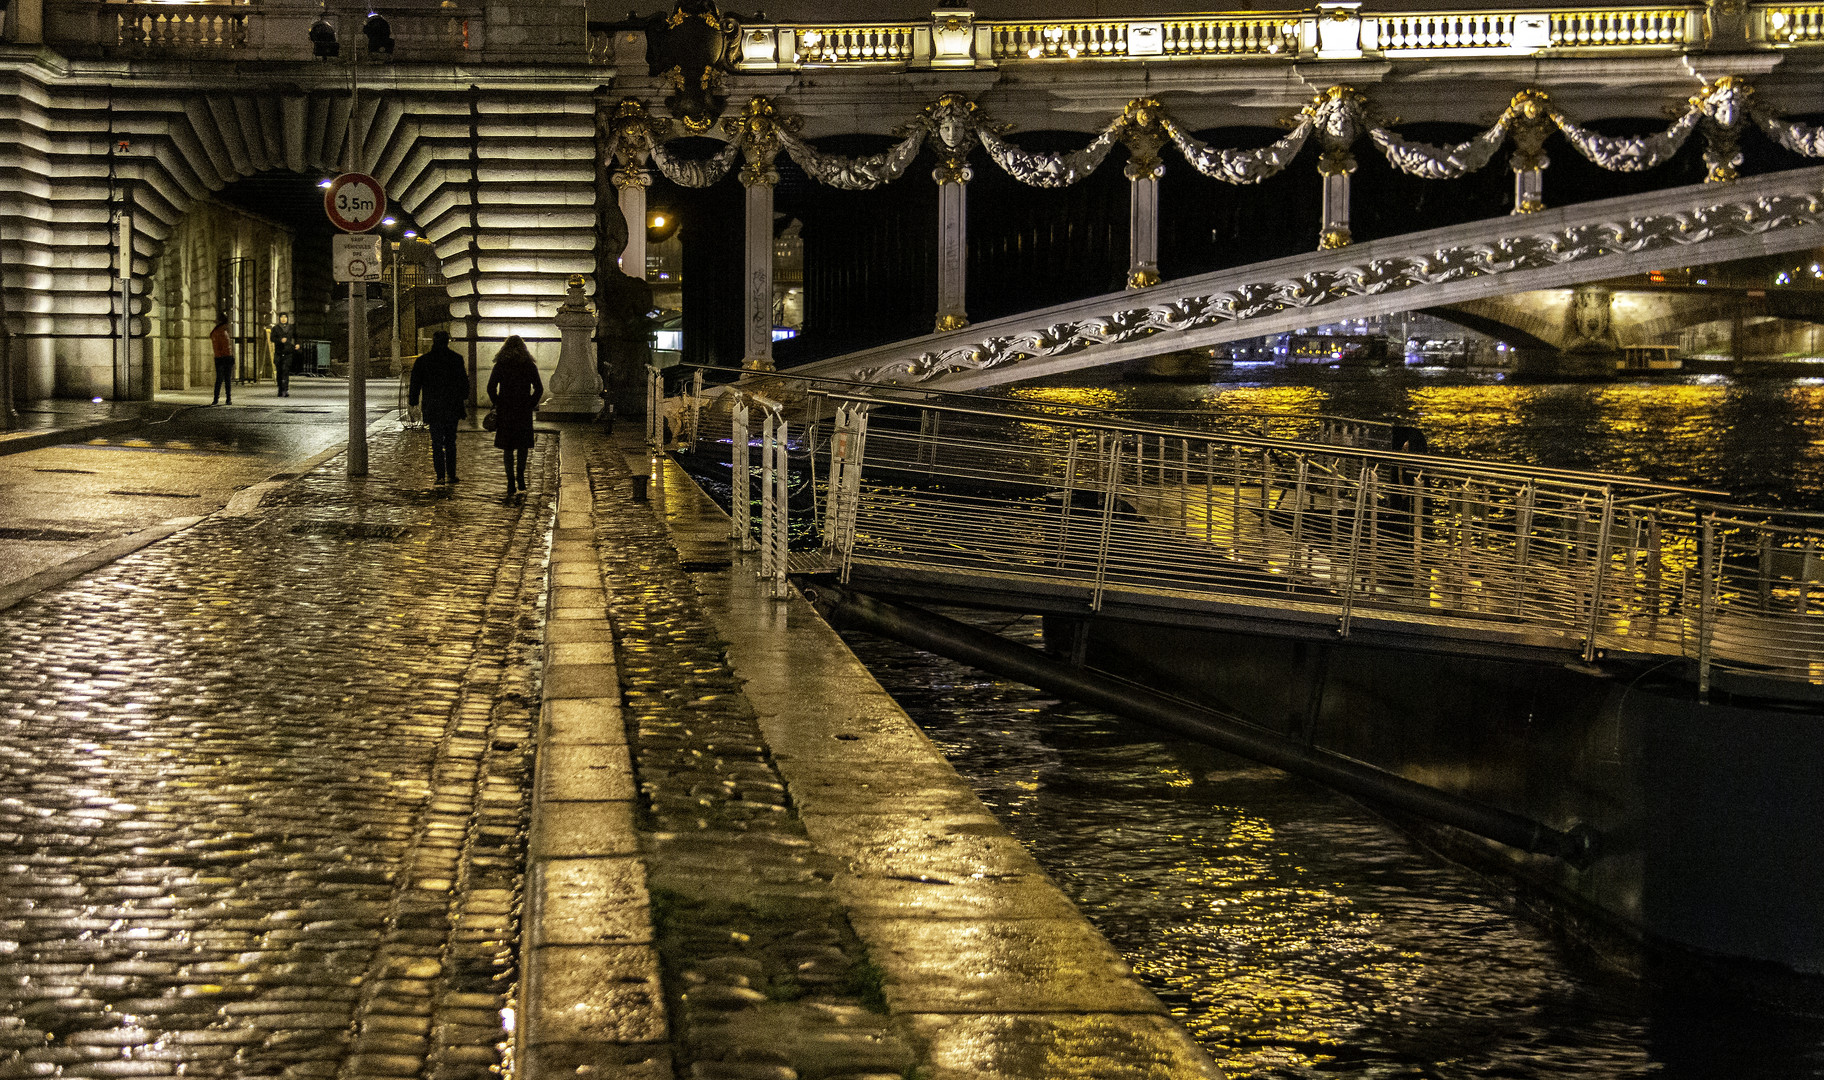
765	978
60	501
263	784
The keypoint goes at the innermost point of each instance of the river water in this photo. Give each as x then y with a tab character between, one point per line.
1293	933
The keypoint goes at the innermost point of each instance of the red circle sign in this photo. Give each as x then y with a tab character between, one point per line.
355	202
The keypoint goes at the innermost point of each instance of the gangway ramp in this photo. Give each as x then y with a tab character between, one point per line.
1080	516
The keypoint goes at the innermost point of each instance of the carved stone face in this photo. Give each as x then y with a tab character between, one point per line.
1338	116
950	121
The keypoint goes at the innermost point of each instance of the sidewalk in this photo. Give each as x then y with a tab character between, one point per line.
786	858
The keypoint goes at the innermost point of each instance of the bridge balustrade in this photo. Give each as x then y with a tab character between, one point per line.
206	28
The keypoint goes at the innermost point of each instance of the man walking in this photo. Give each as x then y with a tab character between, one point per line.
223	346
441	379
282	341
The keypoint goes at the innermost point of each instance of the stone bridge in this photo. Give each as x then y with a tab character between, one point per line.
1579	330
507	132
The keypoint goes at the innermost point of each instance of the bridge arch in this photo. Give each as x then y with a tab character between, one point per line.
503	186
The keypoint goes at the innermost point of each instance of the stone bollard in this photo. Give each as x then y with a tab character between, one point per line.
576	388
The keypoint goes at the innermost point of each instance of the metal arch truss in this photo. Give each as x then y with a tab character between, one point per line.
1780	212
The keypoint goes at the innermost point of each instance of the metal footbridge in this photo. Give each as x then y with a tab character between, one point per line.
1299	526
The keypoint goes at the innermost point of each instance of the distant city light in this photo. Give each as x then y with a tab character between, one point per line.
389	221
96	400
410	234
325	182
658	221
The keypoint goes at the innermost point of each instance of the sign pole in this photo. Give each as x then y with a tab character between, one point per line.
357	378
355	203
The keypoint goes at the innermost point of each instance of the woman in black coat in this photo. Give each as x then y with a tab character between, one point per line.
515	389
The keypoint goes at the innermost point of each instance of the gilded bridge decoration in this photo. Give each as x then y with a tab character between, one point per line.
1337	117
1528	251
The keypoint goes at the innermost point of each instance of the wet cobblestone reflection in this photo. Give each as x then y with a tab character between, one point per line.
263	787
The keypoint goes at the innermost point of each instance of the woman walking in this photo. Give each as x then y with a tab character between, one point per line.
515	389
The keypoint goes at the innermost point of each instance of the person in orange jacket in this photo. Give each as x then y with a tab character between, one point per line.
223	346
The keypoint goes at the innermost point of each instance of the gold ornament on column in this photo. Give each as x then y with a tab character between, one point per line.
1725	104
1529	121
632	132
1141	128
756	131
1338	117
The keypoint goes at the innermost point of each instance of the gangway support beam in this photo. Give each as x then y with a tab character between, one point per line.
996	655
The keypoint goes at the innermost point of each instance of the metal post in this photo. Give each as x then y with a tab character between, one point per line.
766	495
1523	544
782	532
655	399
1355	542
1110	496
740	497
1070	486
357	378
1600	577
357	325
1706	585
396	363
1298	518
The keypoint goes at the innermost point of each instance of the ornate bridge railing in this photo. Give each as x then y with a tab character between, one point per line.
1327	31
1330	31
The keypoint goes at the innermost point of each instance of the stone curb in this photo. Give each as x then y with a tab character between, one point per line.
18	442
590	994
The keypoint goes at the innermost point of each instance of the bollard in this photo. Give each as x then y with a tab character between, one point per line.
639	488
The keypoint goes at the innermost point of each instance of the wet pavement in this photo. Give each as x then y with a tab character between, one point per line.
59	501
263	787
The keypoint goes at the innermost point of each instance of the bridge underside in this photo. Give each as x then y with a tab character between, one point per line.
1465	264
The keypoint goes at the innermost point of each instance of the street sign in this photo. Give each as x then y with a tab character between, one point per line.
357	257
355	202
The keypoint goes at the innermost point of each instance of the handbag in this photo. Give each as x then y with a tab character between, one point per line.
489	421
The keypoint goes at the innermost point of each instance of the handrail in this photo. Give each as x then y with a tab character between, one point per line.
1593	481
920	395
1584	566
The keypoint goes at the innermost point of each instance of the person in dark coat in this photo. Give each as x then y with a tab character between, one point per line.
515	389
221	344
283	338
441	380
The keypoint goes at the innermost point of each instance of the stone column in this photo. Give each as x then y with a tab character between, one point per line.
631	183
756	132
575	392
758	302
1142	130
1335	232
951	121
1340	114
1143	225
952	245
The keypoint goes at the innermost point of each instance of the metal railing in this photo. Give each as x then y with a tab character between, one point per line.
1580	563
